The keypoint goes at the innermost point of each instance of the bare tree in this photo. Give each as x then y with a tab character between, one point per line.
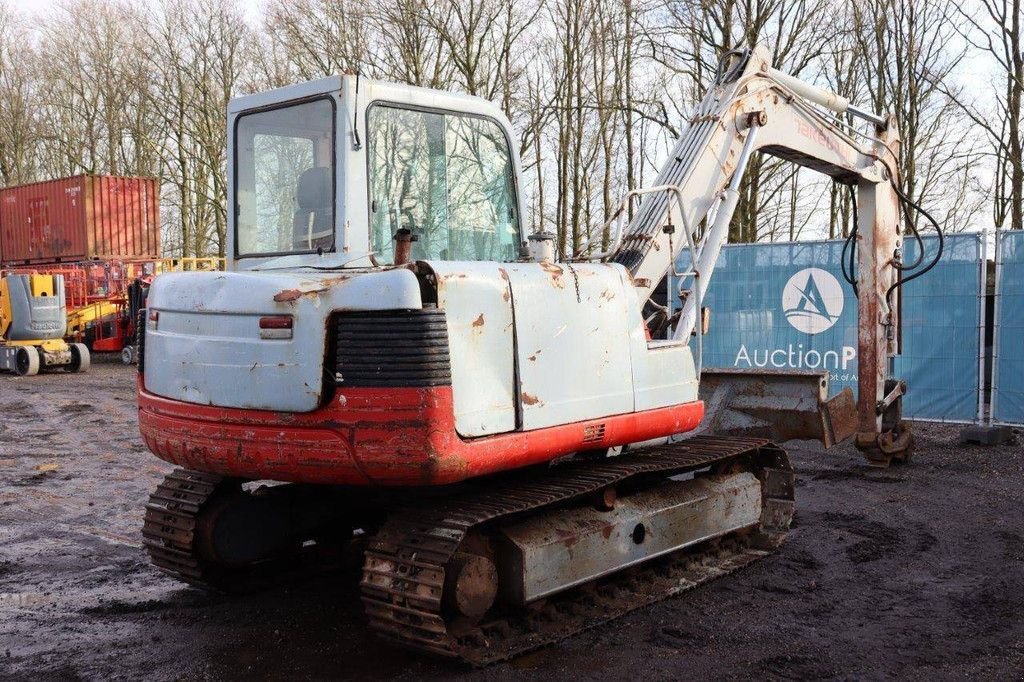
910	46
89	78
480	37
197	57
598	89
320	37
691	37
18	134
993	31
407	48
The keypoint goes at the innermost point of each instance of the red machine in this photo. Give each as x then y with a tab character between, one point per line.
501	426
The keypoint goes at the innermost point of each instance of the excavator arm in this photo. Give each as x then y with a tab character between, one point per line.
754	107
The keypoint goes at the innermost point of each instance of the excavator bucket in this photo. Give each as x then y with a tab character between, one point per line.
776	404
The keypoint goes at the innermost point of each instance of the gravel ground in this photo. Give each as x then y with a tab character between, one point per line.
913	572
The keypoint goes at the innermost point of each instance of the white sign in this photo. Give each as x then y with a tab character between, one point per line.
812	300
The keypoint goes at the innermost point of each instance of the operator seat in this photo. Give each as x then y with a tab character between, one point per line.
314	219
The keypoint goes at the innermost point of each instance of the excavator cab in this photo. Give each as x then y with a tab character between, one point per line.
327	176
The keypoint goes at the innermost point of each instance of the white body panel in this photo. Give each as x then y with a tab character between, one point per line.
598	339
663	373
573	352
511	358
477	301
205	348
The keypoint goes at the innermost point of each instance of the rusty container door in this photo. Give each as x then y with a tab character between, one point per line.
80	218
43	222
121	217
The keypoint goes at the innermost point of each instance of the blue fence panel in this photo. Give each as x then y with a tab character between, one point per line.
942	327
1008	364
786	305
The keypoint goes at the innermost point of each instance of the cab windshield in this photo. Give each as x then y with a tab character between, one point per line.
448	178
284	180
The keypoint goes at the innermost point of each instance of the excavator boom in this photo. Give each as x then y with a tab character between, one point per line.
754	107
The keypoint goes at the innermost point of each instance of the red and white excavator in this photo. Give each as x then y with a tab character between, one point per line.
507	435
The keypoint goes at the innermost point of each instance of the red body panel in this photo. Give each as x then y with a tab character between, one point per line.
375	436
80	218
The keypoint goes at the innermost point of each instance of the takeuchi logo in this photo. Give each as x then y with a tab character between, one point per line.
812	300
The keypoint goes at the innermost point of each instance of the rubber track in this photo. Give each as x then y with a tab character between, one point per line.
169	534
404	569
169	529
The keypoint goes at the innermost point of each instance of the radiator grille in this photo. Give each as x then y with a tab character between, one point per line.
391	348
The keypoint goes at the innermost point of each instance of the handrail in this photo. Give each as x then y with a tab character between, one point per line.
676	193
617	219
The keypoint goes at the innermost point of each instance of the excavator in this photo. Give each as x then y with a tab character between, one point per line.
33	320
522	443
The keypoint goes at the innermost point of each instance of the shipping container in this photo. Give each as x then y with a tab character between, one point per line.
85	217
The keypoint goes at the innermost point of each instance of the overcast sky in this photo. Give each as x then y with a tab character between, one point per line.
252	7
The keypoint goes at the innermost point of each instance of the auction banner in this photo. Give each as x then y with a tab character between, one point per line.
788	306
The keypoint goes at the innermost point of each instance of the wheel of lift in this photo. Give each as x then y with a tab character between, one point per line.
26	361
128	355
80	359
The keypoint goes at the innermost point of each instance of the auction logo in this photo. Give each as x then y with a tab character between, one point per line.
812	300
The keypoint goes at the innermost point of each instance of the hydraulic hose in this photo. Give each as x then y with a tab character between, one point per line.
938	252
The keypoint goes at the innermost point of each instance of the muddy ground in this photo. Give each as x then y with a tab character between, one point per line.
914	572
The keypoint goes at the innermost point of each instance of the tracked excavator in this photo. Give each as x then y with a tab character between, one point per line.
516	447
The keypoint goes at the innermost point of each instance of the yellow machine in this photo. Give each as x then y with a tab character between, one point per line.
33	321
79	319
189	264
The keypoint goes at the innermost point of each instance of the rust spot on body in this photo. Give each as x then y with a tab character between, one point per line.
551	268
311	288
287	295
556	274
479	322
530	399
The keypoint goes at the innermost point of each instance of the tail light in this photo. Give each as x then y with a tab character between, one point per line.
276	327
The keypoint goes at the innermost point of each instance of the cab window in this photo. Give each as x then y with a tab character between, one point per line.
284	177
446	177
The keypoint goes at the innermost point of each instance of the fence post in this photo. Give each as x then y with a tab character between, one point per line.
982	323
996	320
